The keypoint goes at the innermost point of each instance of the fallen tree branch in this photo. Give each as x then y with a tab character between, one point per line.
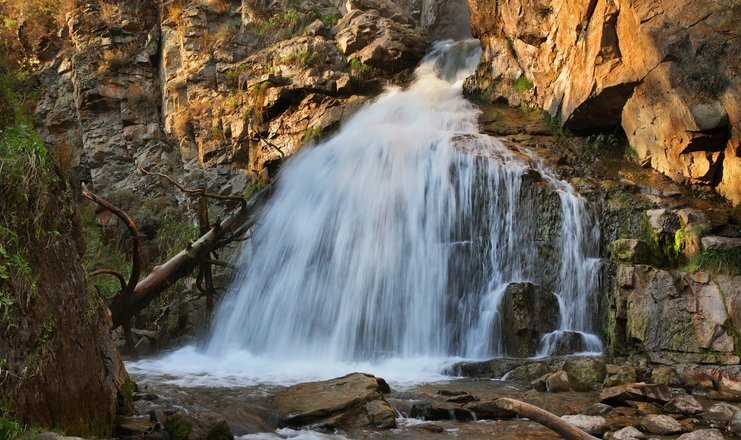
181	265
545	418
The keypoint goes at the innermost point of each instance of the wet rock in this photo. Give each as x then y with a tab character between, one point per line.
713	241
528	312
493	368
598	409
661	425
640	392
595	425
459	397
619	375
627	433
350	402
197	425
489	410
441	411
723	416
643	408
587	370
557	382
529	372
665	376
684	404
725	396
567	343
702	434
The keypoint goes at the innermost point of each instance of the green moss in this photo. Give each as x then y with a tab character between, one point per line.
522	84
9	428
125	397
720	259
177	427
312	135
253	188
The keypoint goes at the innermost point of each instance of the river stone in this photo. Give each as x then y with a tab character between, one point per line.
640	392
528	312
684	404
489	410
627	433
661	425
598	409
594	425
702	434
558	382
349	403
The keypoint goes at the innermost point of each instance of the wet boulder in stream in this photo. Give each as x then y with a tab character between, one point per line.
348	403
528	312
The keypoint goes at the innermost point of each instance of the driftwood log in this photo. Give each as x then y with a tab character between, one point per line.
545	418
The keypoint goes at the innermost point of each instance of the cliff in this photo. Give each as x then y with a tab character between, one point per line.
666	72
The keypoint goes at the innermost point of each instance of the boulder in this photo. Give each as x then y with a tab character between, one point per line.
661	424
640	392
627	433
527	313
598	409
620	375
702	434
684	404
557	382
349	403
594	425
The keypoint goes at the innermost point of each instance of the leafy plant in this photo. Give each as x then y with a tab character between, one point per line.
522	84
312	135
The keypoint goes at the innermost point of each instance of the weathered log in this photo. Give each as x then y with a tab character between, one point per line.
545	418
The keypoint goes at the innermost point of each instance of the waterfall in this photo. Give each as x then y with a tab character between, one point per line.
396	238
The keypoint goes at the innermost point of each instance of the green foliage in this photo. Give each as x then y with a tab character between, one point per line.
253	188
9	428
305	58
177	427
329	19
522	84
359	69
719	259
312	135
602	140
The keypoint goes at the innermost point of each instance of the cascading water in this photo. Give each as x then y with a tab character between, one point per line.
396	238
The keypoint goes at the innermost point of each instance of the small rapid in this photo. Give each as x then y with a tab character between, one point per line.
388	248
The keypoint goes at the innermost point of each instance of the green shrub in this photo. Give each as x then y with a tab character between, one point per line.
522	84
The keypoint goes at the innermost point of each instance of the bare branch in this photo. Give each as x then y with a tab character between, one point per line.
136	257
111	272
200	192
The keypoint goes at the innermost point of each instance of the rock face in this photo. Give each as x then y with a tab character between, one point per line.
209	92
676	316
60	368
528	312
667	72
349	403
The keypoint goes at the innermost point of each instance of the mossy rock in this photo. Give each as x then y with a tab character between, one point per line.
200	425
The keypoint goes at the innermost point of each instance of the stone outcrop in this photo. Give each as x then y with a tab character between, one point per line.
349	403
667	72
528	312
675	316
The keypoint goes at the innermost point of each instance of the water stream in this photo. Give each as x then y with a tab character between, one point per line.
388	247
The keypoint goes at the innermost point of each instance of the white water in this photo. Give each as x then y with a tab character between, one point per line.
387	248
